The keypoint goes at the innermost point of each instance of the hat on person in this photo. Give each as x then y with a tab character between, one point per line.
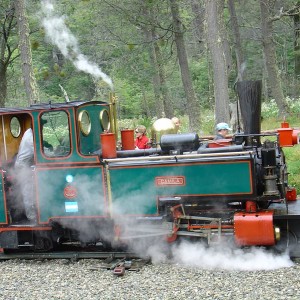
222	125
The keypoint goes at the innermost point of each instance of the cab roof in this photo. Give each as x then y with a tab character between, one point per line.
48	106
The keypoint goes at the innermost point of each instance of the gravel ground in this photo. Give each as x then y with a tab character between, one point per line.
84	279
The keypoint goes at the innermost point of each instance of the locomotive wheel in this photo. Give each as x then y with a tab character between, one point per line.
43	243
288	241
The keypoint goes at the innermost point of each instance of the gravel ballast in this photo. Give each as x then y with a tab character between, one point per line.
85	279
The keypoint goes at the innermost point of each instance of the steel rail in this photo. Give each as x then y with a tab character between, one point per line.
68	255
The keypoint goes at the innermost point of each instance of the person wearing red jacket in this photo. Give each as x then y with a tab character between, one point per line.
141	141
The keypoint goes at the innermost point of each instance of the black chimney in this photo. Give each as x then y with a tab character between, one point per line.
249	93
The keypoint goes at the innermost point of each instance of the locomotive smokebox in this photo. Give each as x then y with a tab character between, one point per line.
249	93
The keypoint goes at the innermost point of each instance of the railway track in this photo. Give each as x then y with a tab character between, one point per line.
68	255
117	262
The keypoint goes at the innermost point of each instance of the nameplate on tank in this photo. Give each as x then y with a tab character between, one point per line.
170	180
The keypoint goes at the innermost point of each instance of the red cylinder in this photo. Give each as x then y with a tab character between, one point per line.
108	143
254	229
127	137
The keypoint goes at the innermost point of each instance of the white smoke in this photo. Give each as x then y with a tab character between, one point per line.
228	258
198	255
59	34
147	240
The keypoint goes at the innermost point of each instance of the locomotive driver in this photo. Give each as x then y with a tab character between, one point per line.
24	174
24	161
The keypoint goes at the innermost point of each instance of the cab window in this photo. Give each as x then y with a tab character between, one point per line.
55	133
15	127
93	120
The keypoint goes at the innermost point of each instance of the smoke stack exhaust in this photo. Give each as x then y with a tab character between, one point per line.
249	93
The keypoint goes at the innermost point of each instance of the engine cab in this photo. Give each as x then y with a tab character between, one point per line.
66	139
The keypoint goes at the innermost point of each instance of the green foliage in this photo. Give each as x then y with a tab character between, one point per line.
199	71
114	36
61	131
293	163
208	122
269	109
129	100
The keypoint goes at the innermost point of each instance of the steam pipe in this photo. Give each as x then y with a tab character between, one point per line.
176	157
4	140
220	149
138	152
113	112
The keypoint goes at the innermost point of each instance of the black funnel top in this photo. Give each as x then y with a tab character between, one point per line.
249	93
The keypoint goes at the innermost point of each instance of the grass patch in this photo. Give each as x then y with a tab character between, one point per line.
292	155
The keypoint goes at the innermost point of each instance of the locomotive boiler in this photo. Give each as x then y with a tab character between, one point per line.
87	192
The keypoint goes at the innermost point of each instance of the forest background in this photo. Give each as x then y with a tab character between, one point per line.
161	57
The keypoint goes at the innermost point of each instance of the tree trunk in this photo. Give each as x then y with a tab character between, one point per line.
25	51
224	35
220	75
193	109
3	80
164	105
6	50
3	68
3	85
145	103
164	92
159	107
273	79
198	26
240	60
297	52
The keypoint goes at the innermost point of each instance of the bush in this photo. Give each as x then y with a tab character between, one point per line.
269	109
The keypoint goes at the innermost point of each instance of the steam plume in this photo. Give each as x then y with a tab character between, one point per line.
60	35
